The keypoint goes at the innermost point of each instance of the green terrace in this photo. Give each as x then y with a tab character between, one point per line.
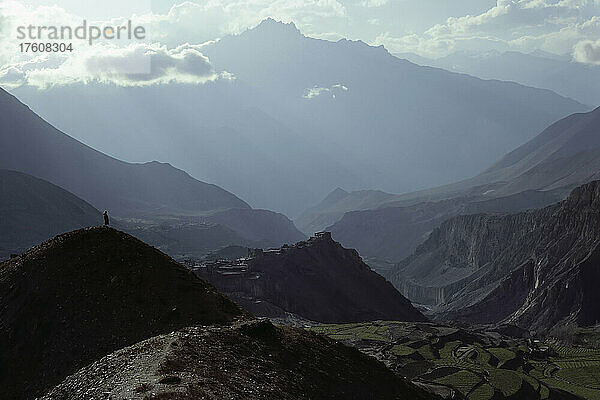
476	365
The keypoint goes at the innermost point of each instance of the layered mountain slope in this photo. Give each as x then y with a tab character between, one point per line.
84	294
260	226
333	207
567	153
183	239
195	237
33	210
538	69
297	112
535	269
249	361
540	172
316	279
29	144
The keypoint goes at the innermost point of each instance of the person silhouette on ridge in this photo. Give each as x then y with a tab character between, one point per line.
106	220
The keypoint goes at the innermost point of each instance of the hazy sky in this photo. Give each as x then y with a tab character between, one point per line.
431	28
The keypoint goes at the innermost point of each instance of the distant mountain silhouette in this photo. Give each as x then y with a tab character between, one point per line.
564	155
84	294
30	145
259	226
306	110
33	210
333	207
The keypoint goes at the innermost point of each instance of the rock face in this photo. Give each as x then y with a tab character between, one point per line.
252	360
316	279
84	294
33	210
393	233
535	269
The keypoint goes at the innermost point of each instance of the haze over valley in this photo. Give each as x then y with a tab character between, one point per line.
301	200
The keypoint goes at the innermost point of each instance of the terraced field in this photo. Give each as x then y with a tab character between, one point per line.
476	365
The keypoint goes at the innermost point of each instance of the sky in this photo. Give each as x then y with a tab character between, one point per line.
176	31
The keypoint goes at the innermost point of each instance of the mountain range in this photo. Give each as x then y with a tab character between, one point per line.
143	196
31	145
538	173
292	109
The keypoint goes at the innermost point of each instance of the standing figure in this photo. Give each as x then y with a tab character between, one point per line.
106	221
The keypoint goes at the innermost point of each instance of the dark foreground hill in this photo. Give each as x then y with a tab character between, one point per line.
535	269
33	210
246	361
84	294
316	279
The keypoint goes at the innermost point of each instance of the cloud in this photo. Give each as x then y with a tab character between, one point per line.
111	61
525	25
332	91
587	52
373	3
135	65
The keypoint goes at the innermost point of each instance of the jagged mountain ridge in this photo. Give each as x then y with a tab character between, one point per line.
536	269
33	210
84	294
317	280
